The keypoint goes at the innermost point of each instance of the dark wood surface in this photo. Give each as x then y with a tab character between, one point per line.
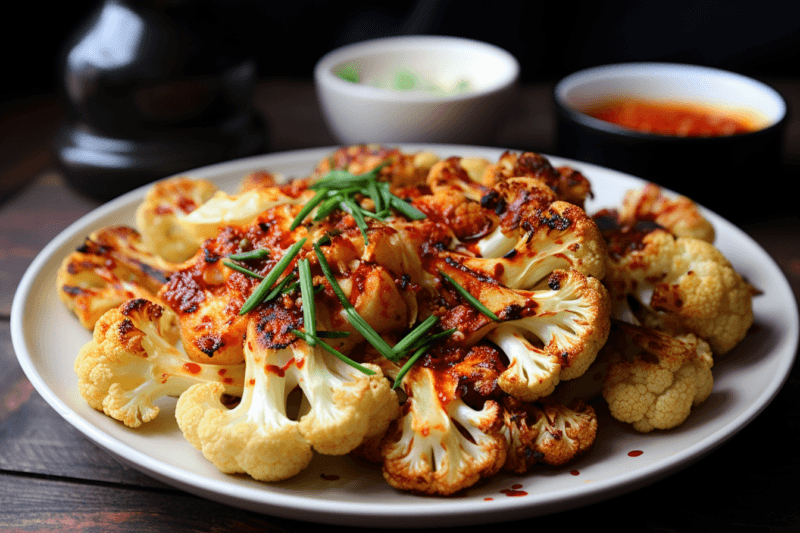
52	478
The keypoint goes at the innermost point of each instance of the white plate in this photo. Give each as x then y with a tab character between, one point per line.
339	490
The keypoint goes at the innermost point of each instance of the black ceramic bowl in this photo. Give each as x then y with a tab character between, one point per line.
711	170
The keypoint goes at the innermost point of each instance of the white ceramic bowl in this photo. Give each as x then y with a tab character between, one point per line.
359	112
707	169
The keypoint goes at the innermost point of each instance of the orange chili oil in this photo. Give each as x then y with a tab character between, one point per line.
673	118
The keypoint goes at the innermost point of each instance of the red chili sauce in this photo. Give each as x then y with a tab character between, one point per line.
677	119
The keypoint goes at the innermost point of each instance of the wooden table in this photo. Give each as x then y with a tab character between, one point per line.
52	478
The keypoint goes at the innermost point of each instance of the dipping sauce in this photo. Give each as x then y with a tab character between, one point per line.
677	119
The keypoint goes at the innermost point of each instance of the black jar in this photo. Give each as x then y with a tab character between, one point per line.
153	88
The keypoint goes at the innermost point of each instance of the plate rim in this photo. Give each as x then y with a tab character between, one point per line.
332	511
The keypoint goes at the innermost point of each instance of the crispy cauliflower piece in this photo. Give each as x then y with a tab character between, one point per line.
440	444
458	174
680	215
656	387
257	437
546	432
131	361
568	184
109	268
679	285
548	334
164	205
536	237
240	209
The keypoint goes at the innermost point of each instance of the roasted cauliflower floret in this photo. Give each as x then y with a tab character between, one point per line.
440	444
680	215
546	432
257	437
458	174
157	217
536	237
240	209
547	334
568	184
656	385
109	268
131	361
678	284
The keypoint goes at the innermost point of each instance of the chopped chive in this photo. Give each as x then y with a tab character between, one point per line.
415	335
304	212
307	292
470	298
406	367
261	253
358	322
242	269
408	210
332	334
264	287
327	207
356	211
280	287
431	339
333	351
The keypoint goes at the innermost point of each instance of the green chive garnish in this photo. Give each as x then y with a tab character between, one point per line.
332	334
416	334
242	269
264	287
470	298
261	253
406	367
307	292
333	351
354	318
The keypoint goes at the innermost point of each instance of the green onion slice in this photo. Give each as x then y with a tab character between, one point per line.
333	351
307	293
261	253
354	318
242	269
264	287
470	298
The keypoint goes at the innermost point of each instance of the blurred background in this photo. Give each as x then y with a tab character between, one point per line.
283	40
550	39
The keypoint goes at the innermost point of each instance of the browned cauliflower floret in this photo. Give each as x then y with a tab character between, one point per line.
653	379
568	184
677	284
547	334
459	174
341	406
464	216
440	444
131	361
680	215
547	432
536	236
109	268
164	205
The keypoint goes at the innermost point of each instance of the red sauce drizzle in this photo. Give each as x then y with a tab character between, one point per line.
488	499
514	491
192	368
575	472
329	477
635	453
222	371
277	370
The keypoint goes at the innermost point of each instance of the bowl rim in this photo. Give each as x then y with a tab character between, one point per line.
631	68
324	76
